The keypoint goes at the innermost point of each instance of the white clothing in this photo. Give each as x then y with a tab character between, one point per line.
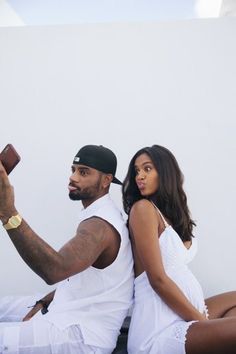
37	336
98	299
155	328
89	308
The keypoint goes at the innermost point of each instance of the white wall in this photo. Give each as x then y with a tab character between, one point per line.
124	86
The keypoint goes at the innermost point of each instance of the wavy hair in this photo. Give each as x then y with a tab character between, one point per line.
170	197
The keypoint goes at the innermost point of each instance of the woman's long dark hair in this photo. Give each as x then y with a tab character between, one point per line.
170	197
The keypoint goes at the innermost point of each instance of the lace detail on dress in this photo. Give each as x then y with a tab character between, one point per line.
181	329
178	334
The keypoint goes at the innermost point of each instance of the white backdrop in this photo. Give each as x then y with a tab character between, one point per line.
124	86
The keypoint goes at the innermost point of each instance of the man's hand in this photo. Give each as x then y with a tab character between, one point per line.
7	207
47	300
33	311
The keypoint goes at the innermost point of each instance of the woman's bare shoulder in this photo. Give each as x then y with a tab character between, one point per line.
141	208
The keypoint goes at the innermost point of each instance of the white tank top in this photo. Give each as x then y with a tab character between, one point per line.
98	299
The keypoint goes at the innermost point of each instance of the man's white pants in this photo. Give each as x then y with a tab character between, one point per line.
37	336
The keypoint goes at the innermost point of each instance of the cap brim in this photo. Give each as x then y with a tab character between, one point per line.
116	181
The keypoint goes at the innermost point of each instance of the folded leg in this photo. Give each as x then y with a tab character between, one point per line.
212	337
223	305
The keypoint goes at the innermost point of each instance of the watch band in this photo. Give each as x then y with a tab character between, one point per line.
13	222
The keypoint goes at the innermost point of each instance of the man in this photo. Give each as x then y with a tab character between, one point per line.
94	269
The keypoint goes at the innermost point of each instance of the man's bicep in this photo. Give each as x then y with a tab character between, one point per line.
84	249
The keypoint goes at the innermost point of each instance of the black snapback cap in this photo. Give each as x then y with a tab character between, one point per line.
98	157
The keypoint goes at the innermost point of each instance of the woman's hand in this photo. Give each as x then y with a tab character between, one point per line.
205	315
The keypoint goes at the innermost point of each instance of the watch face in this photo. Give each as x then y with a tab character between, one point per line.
13	222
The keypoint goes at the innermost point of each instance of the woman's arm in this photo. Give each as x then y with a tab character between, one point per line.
144	225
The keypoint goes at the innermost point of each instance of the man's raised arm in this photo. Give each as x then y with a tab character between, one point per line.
52	266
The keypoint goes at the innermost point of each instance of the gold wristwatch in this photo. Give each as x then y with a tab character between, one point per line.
13	222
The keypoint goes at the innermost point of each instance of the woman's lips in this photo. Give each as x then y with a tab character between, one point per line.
141	186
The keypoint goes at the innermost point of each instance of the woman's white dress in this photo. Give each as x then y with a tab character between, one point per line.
155	328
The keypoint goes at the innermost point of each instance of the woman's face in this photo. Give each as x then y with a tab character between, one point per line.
146	178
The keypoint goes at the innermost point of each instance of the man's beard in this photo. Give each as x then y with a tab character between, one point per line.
80	195
87	193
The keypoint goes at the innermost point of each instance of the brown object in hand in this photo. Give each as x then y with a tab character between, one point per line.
9	158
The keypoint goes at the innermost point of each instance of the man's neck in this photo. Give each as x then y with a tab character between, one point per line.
88	202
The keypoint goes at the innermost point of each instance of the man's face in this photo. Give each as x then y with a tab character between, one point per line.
85	184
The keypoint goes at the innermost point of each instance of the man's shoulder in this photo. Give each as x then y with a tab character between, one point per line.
105	209
93	223
109	205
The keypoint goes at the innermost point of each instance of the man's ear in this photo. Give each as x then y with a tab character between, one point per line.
107	179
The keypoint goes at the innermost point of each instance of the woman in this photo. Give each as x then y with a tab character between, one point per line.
170	315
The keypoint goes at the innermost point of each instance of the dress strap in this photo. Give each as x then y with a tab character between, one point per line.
161	215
